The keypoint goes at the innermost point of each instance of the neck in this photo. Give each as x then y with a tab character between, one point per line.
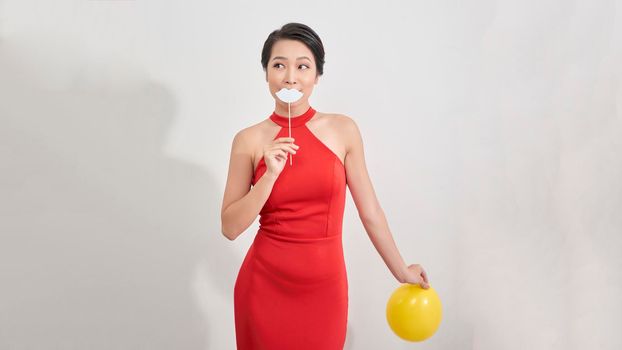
296	109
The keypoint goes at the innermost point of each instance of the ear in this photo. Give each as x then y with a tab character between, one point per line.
317	77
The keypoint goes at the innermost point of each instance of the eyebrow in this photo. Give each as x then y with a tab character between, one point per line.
284	58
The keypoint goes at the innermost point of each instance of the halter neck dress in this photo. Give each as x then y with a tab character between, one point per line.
291	291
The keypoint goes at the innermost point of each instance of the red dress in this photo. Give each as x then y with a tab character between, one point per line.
291	291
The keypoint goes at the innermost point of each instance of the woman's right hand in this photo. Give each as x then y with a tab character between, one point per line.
275	154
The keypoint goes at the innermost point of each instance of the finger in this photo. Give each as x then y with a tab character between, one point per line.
291	149
291	144
277	154
287	148
288	143
283	154
284	139
424	275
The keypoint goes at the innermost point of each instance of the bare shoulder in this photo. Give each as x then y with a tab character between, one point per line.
347	127
341	122
241	139
250	139
345	121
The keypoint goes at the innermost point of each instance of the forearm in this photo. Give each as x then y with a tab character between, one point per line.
239	215
378	231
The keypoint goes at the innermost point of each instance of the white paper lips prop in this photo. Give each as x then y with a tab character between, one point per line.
289	95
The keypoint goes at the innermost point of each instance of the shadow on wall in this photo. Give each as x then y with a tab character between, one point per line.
106	243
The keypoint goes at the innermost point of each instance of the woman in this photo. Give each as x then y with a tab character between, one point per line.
292	290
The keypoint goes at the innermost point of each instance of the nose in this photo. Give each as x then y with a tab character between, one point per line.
290	76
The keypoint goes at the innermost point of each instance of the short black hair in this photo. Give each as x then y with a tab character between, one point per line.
295	31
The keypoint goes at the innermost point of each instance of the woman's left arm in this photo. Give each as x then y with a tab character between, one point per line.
369	209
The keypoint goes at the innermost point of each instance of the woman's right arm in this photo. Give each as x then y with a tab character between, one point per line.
240	206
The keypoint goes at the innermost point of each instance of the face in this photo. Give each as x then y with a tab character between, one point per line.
291	66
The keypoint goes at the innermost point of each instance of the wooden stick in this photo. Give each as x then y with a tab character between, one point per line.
289	115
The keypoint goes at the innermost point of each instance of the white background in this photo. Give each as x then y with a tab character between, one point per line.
492	132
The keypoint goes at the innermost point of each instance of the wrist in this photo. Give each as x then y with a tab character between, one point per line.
403	273
271	176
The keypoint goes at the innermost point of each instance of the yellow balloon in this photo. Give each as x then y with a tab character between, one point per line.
414	313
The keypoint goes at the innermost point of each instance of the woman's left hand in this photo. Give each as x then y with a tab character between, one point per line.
415	274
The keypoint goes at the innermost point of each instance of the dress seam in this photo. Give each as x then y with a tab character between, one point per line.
330	201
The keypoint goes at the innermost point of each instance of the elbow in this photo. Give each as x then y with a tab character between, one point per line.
231	228
228	232
225	229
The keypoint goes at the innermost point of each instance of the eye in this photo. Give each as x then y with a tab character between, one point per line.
276	65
